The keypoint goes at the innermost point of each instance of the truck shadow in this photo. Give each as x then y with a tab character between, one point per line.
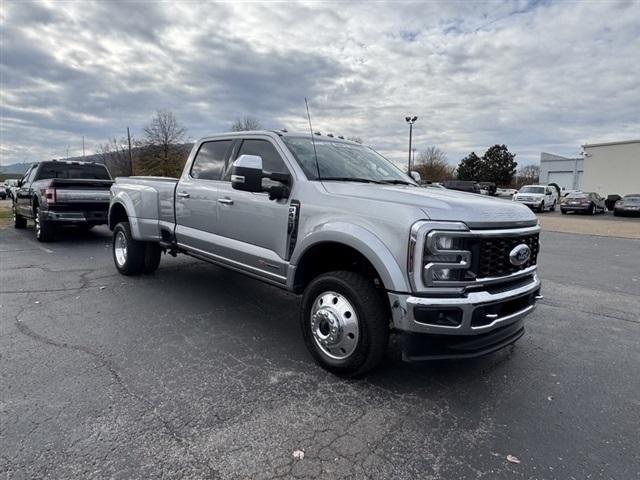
269	319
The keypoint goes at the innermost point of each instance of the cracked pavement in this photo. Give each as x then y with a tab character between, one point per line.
198	372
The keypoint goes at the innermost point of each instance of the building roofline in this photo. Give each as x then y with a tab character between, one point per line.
606	144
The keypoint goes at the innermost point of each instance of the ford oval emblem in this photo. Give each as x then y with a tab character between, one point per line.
520	255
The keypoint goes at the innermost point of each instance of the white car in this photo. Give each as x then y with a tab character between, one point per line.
506	192
538	197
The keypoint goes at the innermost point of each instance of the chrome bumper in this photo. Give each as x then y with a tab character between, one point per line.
95	217
404	307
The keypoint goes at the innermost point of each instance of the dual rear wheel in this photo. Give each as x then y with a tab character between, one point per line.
133	257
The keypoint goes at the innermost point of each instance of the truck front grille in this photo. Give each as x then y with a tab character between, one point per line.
491	254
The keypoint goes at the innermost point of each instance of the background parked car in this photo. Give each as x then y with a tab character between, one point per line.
488	188
506	192
628	205
537	197
462	185
10	186
612	200
584	202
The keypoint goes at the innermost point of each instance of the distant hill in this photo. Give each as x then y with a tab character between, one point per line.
14	168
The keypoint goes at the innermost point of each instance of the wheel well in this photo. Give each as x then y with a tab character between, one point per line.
331	256
117	214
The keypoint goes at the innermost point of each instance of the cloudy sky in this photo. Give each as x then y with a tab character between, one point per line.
536	75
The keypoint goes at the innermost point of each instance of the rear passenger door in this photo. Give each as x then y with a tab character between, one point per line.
197	196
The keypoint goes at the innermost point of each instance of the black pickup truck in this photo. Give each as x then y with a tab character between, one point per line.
55	193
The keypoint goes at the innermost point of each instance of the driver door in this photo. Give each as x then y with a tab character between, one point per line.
254	228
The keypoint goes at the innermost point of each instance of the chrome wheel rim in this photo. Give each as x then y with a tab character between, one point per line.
120	249
37	222
334	325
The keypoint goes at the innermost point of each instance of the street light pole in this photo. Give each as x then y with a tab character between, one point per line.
410	121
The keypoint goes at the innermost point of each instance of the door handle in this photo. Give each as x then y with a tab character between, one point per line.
225	201
183	195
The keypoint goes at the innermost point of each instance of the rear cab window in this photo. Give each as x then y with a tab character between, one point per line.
73	171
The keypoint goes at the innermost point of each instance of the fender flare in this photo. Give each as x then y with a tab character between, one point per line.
360	239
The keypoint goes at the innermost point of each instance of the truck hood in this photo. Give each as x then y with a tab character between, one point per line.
477	211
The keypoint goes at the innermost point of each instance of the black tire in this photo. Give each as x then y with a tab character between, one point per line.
152	257
541	209
553	207
371	315
592	210
85	227
18	220
564	212
45	230
132	262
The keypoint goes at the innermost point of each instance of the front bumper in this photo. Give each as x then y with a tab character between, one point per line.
627	211
475	314
92	217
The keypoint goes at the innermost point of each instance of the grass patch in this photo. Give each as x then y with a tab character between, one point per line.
6	215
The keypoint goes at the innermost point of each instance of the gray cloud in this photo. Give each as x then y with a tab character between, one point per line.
534	75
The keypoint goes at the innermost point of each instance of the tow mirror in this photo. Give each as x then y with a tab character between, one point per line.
416	176
246	173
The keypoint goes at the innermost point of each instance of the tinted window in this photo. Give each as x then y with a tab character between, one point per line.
532	190
73	170
209	161
271	160
577	195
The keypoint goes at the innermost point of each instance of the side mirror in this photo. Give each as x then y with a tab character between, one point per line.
246	173
416	176
19	183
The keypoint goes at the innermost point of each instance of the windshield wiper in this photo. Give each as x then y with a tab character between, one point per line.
351	179
397	182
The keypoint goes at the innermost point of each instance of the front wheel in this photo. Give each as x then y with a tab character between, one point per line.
541	208
592	210
18	220
553	207
345	323
128	254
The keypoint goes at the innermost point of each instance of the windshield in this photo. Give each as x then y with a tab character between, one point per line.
531	190
343	161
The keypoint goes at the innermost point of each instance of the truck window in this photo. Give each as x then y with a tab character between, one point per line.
271	160
209	161
73	170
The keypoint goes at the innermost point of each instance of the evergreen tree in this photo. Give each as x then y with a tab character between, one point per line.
498	165
470	167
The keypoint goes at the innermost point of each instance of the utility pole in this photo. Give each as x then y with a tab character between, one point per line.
130	157
82	146
410	121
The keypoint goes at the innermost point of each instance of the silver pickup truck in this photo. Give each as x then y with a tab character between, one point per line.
454	274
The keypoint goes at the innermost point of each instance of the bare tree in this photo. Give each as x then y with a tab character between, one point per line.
162	152
115	155
433	166
527	175
245	123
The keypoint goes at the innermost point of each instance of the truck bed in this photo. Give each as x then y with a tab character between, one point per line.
153	199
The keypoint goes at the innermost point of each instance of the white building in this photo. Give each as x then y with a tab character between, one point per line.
612	168
566	172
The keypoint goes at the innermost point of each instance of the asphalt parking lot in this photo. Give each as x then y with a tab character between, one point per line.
197	372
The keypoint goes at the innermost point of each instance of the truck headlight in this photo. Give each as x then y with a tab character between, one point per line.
437	254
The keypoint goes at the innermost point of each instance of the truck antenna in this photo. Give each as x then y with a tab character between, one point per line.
315	153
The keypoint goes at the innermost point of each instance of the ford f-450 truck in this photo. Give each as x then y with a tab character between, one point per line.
370	252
